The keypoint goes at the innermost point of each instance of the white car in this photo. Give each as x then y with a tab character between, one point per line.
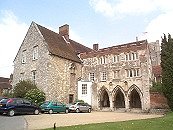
80	107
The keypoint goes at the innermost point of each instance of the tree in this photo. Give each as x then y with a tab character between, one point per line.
167	68
36	96
22	88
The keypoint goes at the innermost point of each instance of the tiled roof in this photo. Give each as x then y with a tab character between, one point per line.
2	79
133	46
4	83
59	47
157	70
79	48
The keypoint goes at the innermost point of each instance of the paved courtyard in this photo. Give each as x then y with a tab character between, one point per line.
47	120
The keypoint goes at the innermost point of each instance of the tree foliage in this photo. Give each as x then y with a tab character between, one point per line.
36	96
22	88
167	68
156	87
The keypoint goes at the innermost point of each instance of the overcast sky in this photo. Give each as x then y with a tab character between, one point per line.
107	22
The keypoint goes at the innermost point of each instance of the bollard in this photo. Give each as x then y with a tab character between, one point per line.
54	126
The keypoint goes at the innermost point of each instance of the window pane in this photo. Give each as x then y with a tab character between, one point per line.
84	88
91	76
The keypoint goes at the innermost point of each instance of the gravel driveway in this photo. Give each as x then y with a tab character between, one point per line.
47	120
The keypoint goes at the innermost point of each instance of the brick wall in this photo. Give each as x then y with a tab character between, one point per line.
158	101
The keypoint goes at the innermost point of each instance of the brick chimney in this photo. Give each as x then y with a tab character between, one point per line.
64	31
96	47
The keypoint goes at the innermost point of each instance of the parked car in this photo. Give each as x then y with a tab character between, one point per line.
13	106
2	98
80	107
53	106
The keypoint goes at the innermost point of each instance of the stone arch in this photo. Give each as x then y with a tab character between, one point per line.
104	97
118	95
135	97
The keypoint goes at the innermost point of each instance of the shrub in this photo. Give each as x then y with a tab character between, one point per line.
22	88
36	96
77	100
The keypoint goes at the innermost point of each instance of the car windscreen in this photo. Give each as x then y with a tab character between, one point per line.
46	103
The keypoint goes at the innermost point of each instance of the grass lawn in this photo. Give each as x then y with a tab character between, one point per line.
162	123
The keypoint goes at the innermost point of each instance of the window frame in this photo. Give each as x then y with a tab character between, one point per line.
84	89
35	53
34	76
103	76
23	57
91	76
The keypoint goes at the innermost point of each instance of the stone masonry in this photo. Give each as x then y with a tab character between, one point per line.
119	87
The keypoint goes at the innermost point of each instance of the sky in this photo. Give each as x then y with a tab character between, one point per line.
106	22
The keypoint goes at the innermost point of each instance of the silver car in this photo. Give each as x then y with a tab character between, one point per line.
80	107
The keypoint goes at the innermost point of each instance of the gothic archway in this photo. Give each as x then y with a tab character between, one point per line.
118	96
119	101
135	100
104	99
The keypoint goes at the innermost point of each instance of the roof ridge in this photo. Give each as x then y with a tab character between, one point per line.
125	44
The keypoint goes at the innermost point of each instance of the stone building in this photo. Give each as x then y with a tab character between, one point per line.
5	85
120	76
51	61
112	78
155	51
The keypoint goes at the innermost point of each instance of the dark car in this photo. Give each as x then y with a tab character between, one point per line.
13	106
80	107
53	106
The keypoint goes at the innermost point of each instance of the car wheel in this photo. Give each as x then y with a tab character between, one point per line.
66	111
89	110
77	110
50	111
11	112
36	112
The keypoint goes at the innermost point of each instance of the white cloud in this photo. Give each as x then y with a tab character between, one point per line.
119	8
161	24
12	33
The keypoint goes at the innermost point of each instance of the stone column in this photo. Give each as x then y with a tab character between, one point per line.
111	102
127	104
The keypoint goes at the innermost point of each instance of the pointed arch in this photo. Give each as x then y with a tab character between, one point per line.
118	95
104	97
135	95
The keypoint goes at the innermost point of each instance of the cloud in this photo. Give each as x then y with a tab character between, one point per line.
159	25
12	32
119	8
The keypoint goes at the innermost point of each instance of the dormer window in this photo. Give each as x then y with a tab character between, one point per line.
35	53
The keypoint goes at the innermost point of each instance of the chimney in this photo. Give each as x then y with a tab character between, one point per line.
136	39
64	31
96	47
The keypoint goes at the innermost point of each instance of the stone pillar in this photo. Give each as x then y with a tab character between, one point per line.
111	103
127	104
